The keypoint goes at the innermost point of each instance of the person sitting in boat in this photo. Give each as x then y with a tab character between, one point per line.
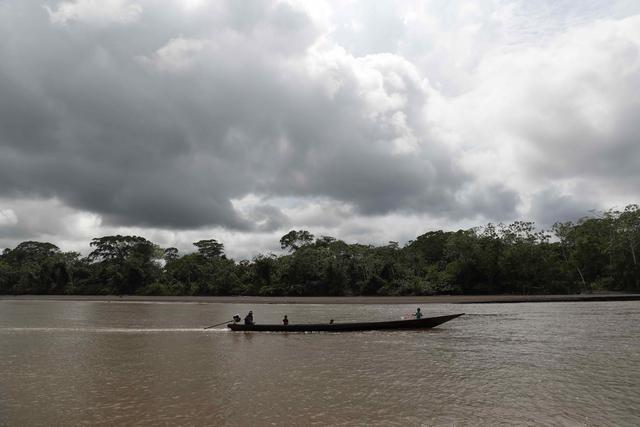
248	319
418	314
285	321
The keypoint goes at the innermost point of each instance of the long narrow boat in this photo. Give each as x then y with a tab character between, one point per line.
426	323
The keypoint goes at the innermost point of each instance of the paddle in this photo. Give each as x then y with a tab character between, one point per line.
226	321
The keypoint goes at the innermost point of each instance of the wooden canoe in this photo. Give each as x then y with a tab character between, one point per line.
425	323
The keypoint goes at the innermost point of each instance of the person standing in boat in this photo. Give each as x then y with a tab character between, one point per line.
418	314
248	319
285	321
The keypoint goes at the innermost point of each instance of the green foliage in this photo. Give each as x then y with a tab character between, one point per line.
210	249
593	254
123	264
294	240
170	254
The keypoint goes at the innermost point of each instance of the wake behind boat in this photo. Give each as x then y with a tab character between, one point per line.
425	323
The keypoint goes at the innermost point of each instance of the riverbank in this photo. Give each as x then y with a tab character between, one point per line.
440	299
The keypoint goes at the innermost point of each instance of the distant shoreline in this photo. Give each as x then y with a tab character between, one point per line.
440	299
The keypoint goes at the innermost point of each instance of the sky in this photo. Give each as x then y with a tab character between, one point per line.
369	121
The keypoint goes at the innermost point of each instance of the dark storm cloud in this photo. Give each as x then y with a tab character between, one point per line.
550	206
161	118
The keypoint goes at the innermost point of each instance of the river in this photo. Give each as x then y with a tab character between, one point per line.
146	363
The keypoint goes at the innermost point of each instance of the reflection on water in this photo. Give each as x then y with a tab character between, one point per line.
88	362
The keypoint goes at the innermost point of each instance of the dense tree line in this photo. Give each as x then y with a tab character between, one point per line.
594	253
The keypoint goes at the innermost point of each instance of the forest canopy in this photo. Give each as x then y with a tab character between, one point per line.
595	253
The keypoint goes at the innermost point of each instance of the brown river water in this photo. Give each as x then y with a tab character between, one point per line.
133	363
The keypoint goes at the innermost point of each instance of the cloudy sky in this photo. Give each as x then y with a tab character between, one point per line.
366	120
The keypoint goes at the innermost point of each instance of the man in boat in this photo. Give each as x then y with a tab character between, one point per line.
418	314
285	321
248	319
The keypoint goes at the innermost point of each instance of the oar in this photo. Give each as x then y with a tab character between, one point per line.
226	321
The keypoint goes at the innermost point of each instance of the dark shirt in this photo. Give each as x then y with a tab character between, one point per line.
248	320
285	322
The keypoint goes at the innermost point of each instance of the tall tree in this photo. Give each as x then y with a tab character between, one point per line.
565	233
294	240
125	263
625	247
210	249
115	248
31	252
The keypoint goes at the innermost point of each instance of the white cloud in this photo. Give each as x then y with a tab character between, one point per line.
8	217
559	111
97	12
177	55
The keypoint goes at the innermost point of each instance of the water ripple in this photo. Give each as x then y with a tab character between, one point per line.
507	364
